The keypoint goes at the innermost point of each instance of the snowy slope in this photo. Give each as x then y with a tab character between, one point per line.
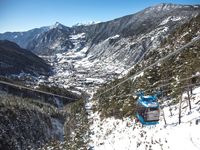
116	134
75	69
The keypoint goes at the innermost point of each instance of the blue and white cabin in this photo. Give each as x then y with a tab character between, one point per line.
148	110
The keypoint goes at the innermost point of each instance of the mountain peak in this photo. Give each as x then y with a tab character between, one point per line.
57	25
86	23
165	6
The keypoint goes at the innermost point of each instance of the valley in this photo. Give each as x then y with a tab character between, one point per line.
99	66
86	56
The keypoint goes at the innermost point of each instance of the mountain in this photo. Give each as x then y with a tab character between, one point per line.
170	73
56	39
23	38
106	48
15	60
94	58
29	123
177	78
127	35
131	36
86	23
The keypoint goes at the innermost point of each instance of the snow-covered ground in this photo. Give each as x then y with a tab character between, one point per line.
75	68
115	134
87	67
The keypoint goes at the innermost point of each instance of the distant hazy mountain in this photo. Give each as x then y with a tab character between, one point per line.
14	60
23	38
54	40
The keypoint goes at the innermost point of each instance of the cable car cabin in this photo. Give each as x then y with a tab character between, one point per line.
148	111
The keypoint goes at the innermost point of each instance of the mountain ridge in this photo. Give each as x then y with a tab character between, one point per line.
91	58
15	60
95	32
108	47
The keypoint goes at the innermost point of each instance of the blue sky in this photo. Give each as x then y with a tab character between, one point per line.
22	15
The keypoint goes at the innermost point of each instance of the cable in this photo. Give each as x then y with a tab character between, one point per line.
165	90
27	88
150	66
172	82
189	85
184	79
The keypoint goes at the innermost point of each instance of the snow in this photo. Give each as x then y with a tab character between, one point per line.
94	79
76	92
102	62
56	25
198	73
77	55
171	18
58	128
176	18
196	6
165	21
77	36
126	134
113	37
139	75
74	68
87	23
125	72
56	45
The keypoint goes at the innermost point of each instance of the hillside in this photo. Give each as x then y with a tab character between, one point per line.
15	60
86	56
176	68
85	80
118	134
28	123
177	78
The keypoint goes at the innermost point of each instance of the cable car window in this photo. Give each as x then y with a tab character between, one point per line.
153	109
141	110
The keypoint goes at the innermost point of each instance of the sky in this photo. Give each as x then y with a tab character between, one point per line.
23	15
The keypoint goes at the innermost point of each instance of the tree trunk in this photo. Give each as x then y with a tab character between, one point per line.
191	91
163	107
164	117
170	110
179	116
189	101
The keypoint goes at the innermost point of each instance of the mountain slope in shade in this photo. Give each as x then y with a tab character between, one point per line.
14	60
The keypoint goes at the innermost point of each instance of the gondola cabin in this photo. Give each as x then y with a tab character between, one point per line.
148	111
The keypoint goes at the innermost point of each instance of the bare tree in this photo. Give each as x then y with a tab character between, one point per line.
189	98
179	114
163	109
